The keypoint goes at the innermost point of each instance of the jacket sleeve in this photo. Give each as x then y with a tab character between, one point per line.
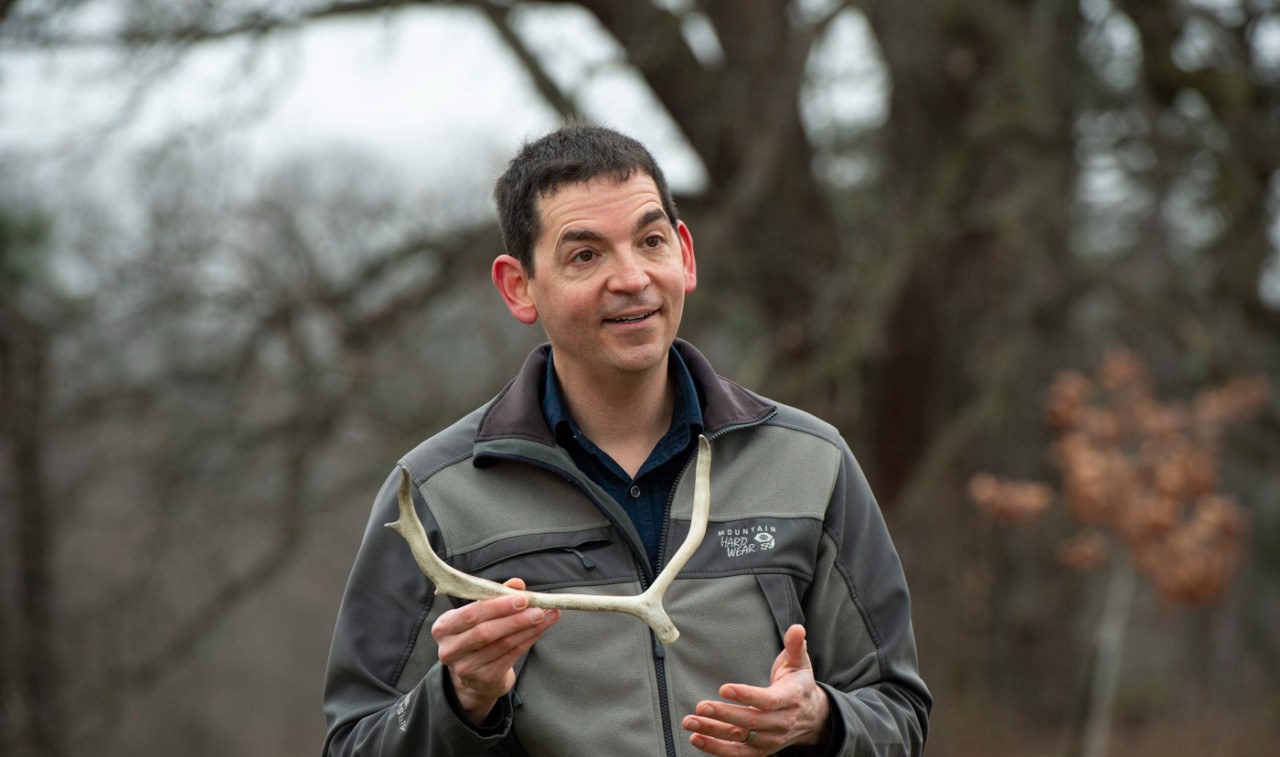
858	624
385	692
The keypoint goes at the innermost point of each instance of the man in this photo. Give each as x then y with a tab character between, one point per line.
794	615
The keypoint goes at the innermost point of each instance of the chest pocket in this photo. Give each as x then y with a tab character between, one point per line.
782	593
549	561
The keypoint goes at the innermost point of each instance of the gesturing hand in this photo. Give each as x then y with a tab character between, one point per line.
792	710
480	643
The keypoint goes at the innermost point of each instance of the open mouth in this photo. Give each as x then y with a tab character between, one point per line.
630	318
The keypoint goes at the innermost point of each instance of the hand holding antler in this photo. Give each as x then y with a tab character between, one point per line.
646	606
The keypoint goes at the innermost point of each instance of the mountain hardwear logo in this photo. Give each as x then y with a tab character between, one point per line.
746	541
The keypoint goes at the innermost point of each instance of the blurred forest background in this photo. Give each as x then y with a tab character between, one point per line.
910	217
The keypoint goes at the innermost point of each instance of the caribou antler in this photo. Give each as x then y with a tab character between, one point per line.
646	606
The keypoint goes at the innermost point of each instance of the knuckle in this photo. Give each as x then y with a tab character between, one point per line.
450	651
464	670
517	645
484	635
440	629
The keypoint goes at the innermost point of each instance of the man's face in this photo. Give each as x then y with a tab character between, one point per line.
610	277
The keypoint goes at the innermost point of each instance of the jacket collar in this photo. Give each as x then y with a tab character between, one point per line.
516	412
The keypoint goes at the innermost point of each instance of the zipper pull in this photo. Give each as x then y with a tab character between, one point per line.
587	562
659	651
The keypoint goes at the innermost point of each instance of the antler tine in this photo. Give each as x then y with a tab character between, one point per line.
646	606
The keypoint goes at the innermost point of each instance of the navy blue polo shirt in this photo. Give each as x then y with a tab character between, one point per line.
645	496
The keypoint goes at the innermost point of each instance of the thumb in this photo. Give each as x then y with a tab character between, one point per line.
795	652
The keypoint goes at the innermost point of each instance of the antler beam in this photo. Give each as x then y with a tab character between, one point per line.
646	606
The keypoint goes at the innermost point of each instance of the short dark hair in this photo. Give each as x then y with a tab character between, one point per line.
573	154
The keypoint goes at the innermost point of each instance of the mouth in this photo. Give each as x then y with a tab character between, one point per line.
631	318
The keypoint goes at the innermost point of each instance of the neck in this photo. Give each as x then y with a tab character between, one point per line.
626	416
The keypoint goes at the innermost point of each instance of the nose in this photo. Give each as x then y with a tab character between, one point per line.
629	274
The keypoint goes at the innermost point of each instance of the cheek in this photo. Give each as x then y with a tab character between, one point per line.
676	281
565	307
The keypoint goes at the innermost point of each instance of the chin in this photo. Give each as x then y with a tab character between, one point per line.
640	359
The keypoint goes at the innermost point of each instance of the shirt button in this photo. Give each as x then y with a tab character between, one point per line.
635	492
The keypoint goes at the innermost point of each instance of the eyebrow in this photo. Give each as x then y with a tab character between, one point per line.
657	214
580	235
573	234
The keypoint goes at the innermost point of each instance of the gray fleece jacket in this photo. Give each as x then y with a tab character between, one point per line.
795	536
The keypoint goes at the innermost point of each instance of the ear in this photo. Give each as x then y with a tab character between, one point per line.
686	256
512	282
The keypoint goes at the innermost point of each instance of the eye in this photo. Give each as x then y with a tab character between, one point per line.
585	255
653	241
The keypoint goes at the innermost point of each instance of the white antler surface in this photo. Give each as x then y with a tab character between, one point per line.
646	606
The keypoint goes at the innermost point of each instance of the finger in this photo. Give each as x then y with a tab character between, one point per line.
729	721
735	748
454	636
753	698
495	638
501	652
503	649
717	729
468	616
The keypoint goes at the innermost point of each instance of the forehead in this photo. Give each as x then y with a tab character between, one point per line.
597	201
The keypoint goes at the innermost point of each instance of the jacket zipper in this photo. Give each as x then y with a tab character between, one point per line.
671	495
659	652
647	574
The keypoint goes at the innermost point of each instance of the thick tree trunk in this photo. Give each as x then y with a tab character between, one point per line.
981	108
23	384
8	686
770	240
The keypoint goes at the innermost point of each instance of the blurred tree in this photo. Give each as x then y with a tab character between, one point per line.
227	353
1142	478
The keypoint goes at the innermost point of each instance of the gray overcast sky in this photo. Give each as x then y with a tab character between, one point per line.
433	90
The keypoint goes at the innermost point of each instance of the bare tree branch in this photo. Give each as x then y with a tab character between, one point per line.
256	22
657	49
499	16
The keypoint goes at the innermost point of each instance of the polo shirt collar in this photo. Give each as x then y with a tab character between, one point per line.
686	416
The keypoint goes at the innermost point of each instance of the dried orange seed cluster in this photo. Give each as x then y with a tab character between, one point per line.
1139	473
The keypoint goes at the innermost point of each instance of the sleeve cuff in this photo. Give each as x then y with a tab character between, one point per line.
835	736
497	723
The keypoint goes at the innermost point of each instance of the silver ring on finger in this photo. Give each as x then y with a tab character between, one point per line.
751	737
